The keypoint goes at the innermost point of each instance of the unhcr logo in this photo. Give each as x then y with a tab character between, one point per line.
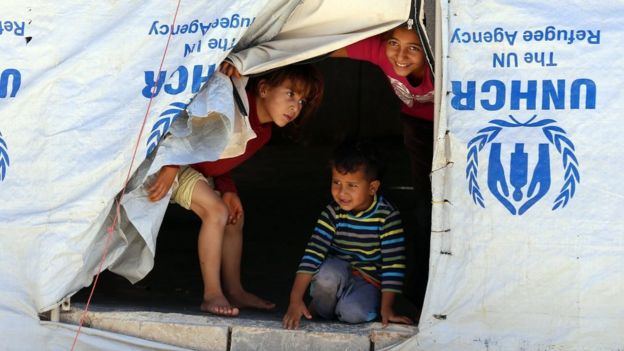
162	125
4	158
10	81
525	178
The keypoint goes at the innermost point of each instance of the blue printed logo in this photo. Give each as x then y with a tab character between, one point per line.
162	125
509	187
4	158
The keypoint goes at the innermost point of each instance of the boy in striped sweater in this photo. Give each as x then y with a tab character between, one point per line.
354	262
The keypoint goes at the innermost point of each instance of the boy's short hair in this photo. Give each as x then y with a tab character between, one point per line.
349	157
306	79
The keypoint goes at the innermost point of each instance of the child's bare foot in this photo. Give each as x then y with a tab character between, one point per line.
219	306
244	299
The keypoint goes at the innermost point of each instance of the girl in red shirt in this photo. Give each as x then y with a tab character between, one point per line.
278	97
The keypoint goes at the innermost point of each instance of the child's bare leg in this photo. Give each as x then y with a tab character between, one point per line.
213	213
232	252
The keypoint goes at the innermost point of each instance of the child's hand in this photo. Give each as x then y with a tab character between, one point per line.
234	205
229	69
293	315
163	182
388	315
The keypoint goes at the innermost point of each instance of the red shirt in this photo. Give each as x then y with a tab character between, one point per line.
417	101
220	169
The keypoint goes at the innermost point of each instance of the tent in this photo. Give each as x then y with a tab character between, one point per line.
525	244
525	247
94	98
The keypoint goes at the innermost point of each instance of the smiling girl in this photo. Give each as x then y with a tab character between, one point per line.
400	55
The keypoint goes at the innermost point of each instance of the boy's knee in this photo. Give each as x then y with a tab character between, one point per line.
323	283
330	275
334	268
350	311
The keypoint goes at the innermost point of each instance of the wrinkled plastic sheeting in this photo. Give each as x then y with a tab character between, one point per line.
210	129
550	277
75	86
316	28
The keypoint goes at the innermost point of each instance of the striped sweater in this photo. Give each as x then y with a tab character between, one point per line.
372	241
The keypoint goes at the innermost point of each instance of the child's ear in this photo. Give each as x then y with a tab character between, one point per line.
262	88
374	186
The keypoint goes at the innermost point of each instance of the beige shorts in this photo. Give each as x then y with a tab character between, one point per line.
183	188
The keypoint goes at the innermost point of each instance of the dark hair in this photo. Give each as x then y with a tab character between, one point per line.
306	80
349	157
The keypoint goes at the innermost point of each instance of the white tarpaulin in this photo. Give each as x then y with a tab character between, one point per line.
319	27
526	248
77	81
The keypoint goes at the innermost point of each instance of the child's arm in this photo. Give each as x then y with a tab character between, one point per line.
313	257
163	182
387	312
393	265
296	307
342	52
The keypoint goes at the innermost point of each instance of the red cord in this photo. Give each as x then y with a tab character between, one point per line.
111	229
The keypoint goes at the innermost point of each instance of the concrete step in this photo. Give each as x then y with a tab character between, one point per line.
252	331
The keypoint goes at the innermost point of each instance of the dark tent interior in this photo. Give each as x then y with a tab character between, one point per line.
283	188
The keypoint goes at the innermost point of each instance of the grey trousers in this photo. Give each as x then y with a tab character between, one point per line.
337	293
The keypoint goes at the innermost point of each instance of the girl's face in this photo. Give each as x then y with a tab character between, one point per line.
279	104
405	53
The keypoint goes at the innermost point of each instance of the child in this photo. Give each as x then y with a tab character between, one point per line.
400	55
208	189
355	259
